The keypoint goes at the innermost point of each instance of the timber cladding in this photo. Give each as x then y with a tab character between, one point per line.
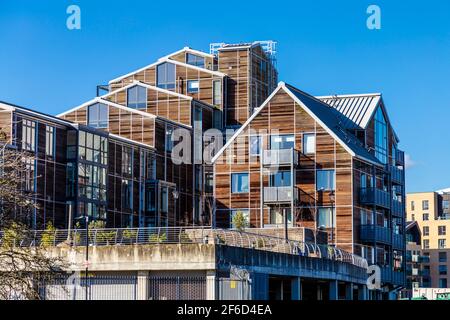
128	124
162	104
183	74
282	115
5	124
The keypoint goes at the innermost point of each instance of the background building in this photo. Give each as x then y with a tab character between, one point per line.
430	210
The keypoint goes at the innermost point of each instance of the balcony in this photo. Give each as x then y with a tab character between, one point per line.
398	278
396	174
398	241
279	194
397	208
386	274
282	157
374	233
399	158
374	196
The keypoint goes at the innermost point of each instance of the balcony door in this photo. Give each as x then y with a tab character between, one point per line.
277	216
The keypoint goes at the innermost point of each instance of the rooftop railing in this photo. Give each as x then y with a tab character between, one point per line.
178	235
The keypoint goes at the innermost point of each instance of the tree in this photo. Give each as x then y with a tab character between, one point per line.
22	267
240	221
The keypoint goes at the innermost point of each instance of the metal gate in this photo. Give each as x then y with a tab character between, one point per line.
177	288
230	289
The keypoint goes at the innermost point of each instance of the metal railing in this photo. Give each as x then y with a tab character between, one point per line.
180	235
279	194
374	233
280	157
400	157
397	208
375	196
396	174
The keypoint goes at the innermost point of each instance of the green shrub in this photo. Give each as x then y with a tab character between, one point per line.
240	221
155	238
48	237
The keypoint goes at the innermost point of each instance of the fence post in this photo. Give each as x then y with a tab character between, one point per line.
142	285
211	285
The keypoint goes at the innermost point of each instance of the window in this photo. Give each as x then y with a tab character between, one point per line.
98	115
426	231
29	175
442	243
413	217
325	217
137	97
49	141
255	145
426	244
282	142
381	148
443	283
443	256
164	199
209	182
442	269
309	143
244	212
192	86
28	135
127	160
442	230
239	182
425	217
127	194
425	205
169	142
325	180
195	60
412	206
217	92
165	74
366	217
445	204
280	179
277	216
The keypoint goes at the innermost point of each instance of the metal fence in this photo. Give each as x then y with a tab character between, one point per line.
177	288
234	289
181	235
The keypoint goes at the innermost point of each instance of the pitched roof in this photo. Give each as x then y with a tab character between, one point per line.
328	117
357	108
166	59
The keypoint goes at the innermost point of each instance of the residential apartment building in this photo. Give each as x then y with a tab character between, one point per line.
329	162
430	210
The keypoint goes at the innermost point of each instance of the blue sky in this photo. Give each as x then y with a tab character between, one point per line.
324	47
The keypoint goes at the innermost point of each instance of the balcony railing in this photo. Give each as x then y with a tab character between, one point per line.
279	194
398	278
399	158
282	157
396	174
374	233
386	274
398	208
374	196
398	241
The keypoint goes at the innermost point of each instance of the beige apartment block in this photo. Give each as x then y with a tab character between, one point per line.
427	208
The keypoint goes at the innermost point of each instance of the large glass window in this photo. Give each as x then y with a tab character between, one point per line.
98	115
49	141
282	142
193	86
325	180
137	97
127	160
255	145
381	139
280	179
425	204
325	218
217	92
442	269
442	243
165	74
309	143
127	194
29	178
277	216
239	182
28	135
443	256
195	60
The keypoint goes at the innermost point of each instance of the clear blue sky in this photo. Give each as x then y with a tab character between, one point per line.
324	48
